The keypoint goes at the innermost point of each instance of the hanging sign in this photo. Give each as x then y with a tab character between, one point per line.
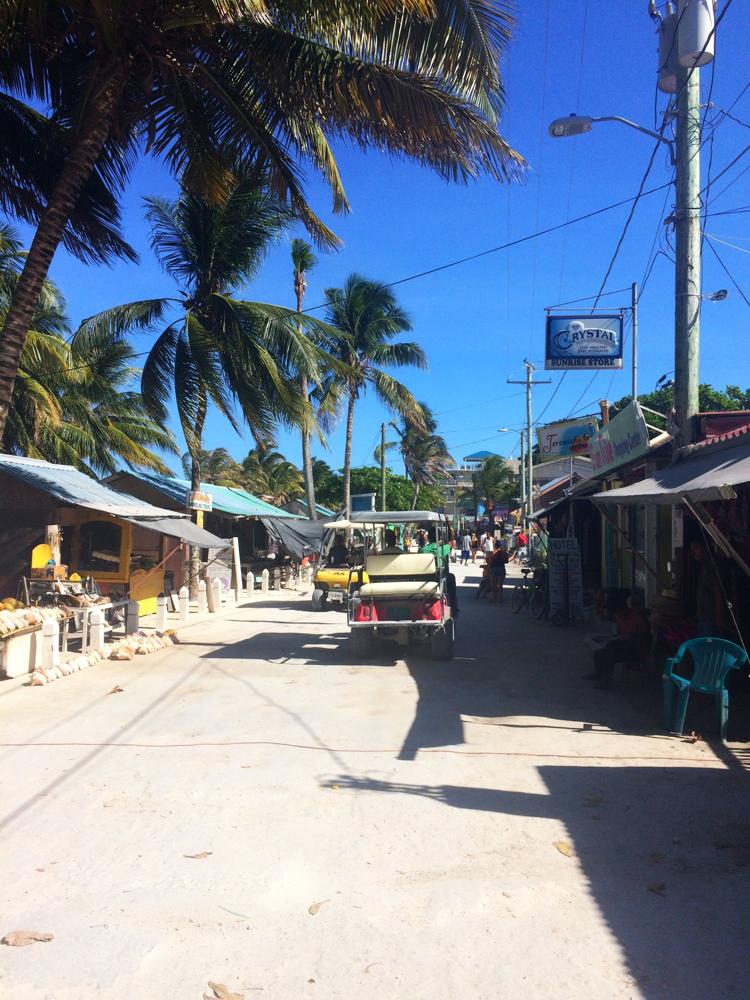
625	437
197	500
570	437
584	341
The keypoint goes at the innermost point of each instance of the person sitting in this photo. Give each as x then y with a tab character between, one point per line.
630	644
498	569
339	554
391	546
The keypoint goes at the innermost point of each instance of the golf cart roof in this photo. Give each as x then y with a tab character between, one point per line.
398	516
343	524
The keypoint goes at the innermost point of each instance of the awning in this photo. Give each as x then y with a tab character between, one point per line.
709	476
300	538
182	528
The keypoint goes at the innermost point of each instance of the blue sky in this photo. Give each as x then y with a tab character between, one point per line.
479	320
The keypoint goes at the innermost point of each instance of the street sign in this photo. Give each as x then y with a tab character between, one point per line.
570	437
625	437
583	341
197	500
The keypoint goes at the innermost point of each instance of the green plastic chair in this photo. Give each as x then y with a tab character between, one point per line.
712	659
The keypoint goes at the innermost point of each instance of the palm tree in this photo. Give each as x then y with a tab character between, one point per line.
73	401
271	476
304	260
424	451
207	84
218	350
493	481
217	466
368	317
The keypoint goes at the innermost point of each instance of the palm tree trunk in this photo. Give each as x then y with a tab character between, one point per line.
195	484
307	468
75	173
348	455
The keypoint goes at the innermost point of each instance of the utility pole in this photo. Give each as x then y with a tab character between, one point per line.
634	332
687	307
529	383
382	468
523	474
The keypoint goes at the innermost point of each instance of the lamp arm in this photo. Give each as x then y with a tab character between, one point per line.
640	128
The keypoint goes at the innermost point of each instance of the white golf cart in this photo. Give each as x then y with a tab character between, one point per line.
401	591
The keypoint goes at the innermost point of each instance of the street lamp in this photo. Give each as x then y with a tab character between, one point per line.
563	128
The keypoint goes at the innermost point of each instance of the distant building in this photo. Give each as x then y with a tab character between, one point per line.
459	478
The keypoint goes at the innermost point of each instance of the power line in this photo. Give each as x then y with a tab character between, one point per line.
726	270
587	298
512	243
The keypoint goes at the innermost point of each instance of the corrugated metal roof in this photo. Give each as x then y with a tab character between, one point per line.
225	499
69	486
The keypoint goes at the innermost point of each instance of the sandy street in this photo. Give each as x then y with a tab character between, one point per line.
267	814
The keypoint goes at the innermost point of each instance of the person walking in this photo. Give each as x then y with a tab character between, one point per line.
488	546
498	569
474	546
465	548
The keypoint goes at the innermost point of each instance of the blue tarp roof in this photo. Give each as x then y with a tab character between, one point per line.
478	456
225	499
66	484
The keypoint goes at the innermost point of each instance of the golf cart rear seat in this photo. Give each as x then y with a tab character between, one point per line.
401	575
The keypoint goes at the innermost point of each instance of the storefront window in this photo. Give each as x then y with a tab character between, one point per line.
99	547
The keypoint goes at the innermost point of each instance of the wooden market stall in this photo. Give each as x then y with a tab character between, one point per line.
69	542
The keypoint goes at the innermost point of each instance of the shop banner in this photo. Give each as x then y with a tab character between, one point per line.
571	437
198	500
625	437
565	577
584	342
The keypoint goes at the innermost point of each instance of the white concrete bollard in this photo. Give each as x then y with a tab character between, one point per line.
264	581
96	629
50	644
250	585
131	618
216	587
184	604
161	613
202	599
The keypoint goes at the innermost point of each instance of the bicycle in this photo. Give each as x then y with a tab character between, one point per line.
531	592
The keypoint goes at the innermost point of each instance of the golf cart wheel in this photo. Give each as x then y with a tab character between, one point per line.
538	603
557	618
319	600
441	642
517	598
361	642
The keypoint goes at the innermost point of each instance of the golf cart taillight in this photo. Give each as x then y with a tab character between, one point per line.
432	611
365	612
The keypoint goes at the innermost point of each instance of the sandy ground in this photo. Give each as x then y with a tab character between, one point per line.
396	829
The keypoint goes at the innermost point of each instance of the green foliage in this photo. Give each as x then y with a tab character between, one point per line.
493	483
329	485
399	490
217	466
424	451
709	400
73	401
269	475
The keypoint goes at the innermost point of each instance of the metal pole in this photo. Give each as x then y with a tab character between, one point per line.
687	253
634	316
382	467
530	463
